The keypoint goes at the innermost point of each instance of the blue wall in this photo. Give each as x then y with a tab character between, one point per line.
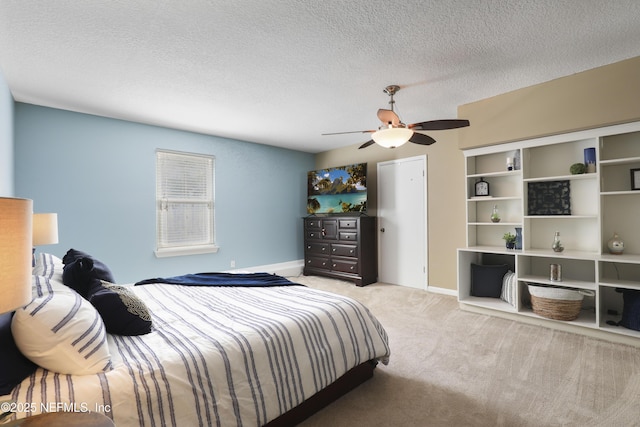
98	174
6	140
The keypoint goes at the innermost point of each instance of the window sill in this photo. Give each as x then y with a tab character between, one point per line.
186	250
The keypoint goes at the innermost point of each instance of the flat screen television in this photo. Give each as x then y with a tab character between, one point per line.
341	189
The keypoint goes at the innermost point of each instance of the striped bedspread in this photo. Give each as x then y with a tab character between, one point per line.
222	356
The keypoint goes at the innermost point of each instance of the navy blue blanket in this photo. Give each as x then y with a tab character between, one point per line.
222	279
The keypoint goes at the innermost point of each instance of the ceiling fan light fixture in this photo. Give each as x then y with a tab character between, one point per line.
392	137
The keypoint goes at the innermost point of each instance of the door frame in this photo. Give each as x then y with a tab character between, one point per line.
425	217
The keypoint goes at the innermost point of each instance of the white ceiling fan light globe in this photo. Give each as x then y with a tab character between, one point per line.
392	137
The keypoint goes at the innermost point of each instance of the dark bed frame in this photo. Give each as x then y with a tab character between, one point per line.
350	380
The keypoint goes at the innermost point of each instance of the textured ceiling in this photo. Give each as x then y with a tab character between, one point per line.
281	72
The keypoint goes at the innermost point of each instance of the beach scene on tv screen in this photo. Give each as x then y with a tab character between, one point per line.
337	190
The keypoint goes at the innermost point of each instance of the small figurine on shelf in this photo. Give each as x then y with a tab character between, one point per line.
510	240
495	215
557	245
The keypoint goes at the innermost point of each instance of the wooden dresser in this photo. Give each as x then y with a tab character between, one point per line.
343	247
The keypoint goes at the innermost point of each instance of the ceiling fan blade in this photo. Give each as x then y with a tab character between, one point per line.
366	144
388	116
422	139
440	124
344	133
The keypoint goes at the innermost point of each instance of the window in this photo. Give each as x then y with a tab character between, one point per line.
184	203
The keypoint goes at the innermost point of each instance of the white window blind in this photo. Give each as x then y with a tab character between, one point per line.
184	199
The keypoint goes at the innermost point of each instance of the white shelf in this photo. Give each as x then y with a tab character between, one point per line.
601	202
492	174
621	161
541	280
627	284
566	254
585	319
492	199
495	224
561	217
563	177
502	250
621	193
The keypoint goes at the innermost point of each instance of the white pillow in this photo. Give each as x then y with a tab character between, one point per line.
49	266
41	285
509	284
61	331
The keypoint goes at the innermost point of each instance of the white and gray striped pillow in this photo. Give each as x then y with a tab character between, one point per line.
48	265
509	288
61	331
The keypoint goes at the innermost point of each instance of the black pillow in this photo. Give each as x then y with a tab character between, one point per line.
14	367
80	269
486	280
122	311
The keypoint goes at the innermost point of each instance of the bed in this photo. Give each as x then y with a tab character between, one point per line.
227	355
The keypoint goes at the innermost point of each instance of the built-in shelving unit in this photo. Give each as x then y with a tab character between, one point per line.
602	203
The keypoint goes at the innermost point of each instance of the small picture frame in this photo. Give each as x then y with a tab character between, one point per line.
635	179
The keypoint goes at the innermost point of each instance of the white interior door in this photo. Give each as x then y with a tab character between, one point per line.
402	222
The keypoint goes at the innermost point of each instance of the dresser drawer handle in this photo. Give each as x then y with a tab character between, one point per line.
352	267
334	265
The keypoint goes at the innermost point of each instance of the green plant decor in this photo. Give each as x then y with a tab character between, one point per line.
509	237
578	168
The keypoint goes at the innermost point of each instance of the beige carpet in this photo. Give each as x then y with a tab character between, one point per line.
450	367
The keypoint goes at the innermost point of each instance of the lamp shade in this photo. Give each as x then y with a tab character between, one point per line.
45	229
15	252
392	137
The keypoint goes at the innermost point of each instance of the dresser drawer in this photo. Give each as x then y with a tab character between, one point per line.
313	223
350	236
344	250
317	262
313	234
348	223
317	248
345	266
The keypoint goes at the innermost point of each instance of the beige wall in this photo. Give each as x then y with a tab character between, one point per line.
445	194
600	97
595	98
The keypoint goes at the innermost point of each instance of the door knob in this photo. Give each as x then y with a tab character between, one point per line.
382	229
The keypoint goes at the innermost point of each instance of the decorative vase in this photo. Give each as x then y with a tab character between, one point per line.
518	238
557	245
615	245
510	245
590	160
495	215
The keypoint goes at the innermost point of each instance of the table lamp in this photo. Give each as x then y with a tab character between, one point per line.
16	216
45	231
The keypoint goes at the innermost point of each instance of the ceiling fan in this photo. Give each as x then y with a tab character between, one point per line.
393	133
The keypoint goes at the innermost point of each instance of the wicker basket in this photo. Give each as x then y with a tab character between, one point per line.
556	303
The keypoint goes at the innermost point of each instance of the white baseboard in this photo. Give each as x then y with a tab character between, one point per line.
294	268
289	268
444	291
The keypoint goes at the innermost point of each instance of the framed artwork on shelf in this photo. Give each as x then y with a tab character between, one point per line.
549	198
635	179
